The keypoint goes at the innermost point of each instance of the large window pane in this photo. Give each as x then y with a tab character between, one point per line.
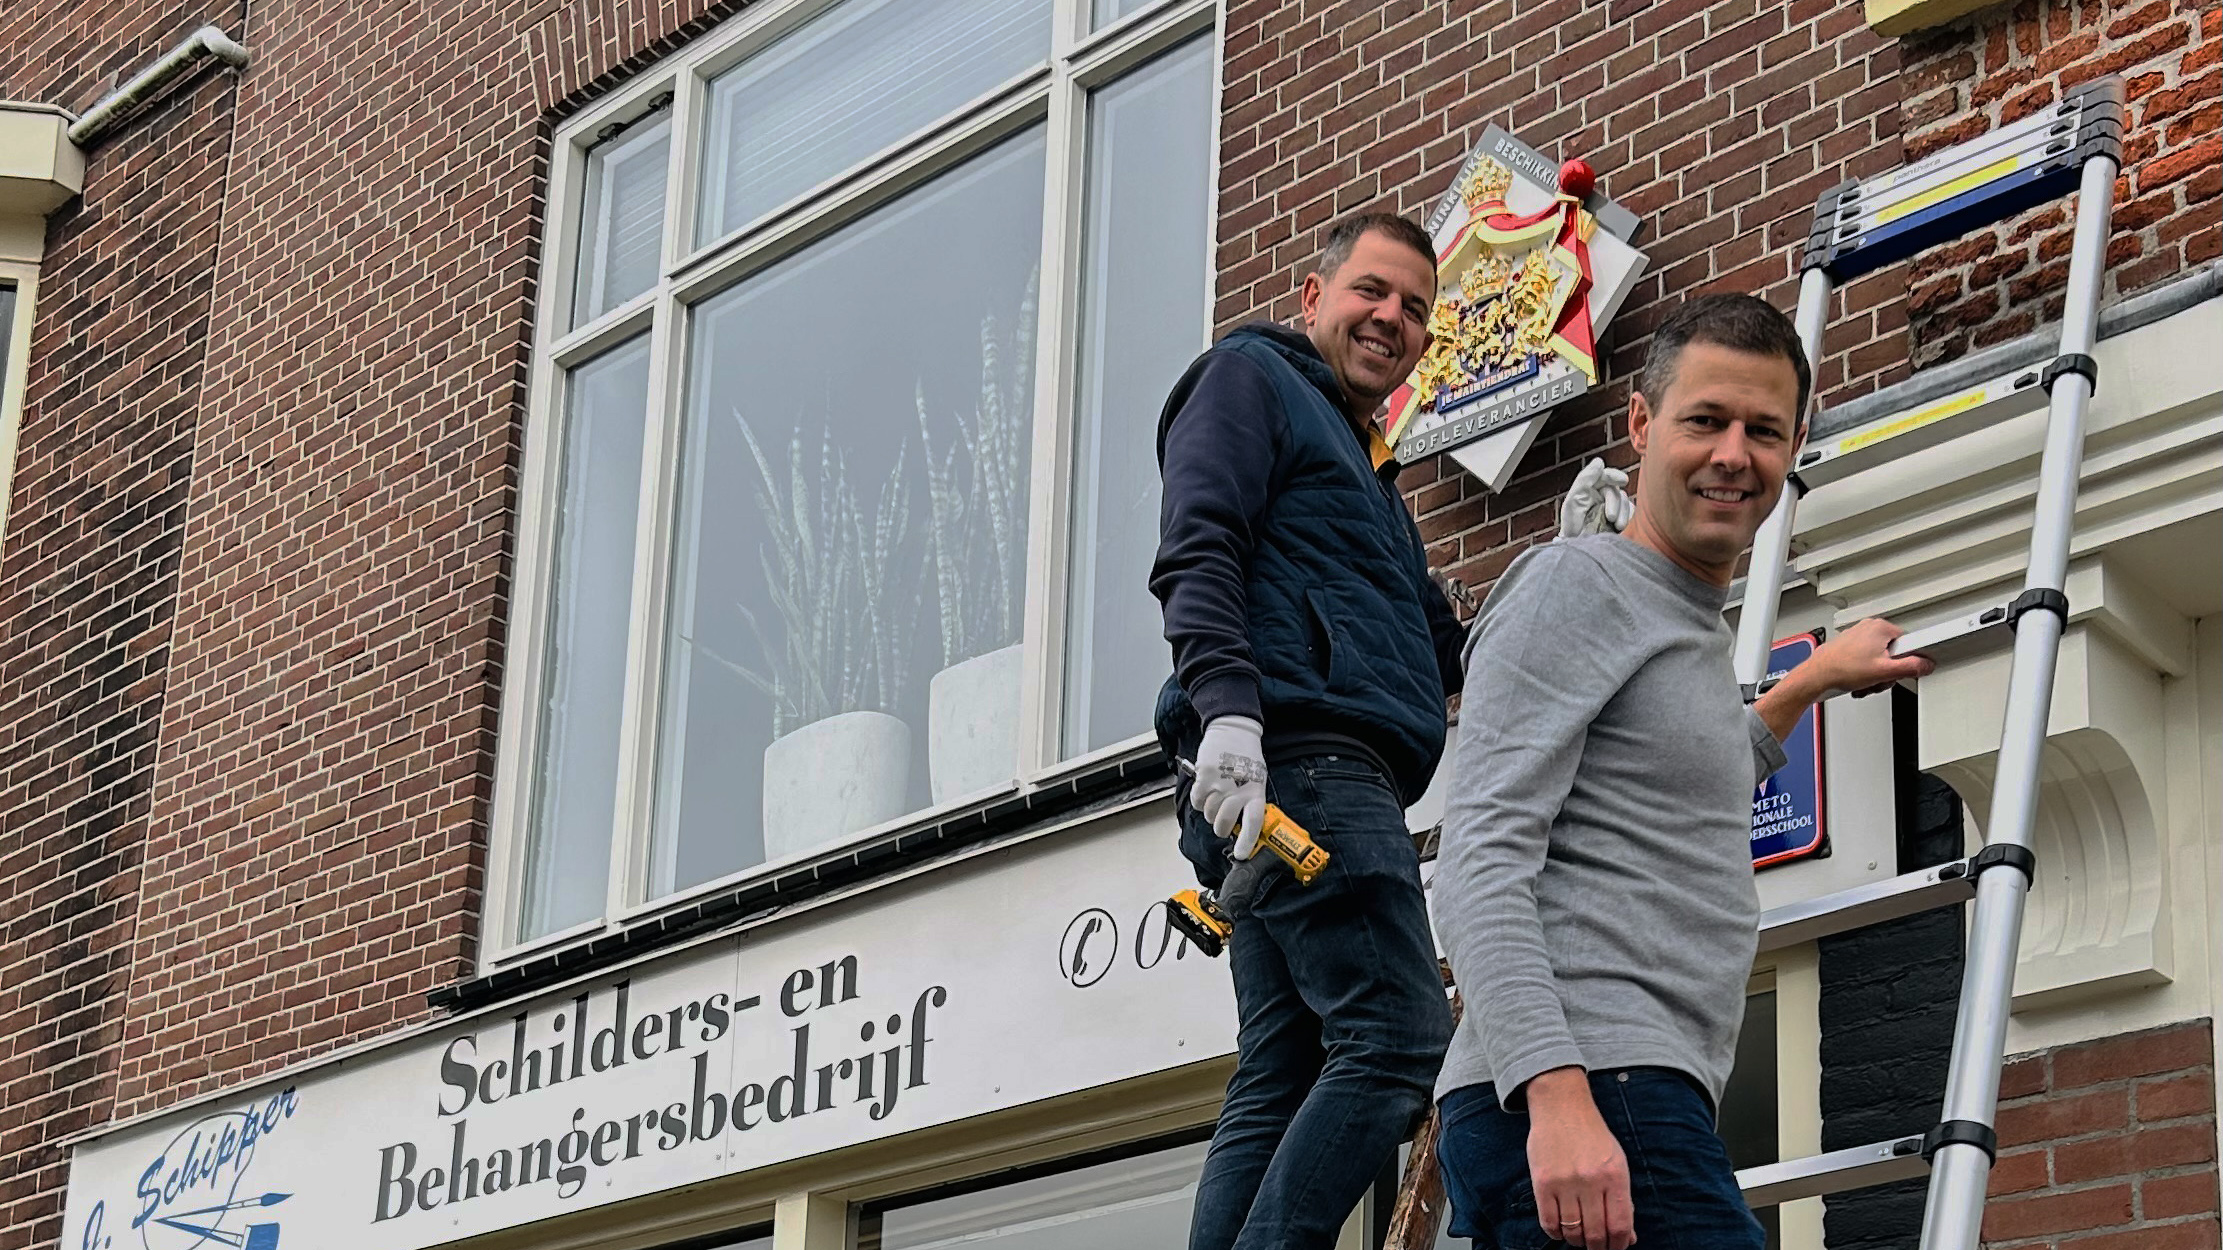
1142	321
1125	1205
848	85
590	602
846	610
621	227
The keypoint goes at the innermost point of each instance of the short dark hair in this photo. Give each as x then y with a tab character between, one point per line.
1344	236
1741	323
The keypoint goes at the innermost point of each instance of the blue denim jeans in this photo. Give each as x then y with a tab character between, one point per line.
1343	1018
1680	1179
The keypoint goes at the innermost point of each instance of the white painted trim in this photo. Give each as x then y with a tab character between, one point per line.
518	729
2205	785
1798	1081
1211	275
24	277
1049	495
605	332
645	629
1132	44
809	1221
1056	769
1088	41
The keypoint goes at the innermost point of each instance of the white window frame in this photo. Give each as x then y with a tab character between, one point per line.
24	277
1794	975
1054	96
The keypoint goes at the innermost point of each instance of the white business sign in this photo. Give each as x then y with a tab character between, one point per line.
1017	976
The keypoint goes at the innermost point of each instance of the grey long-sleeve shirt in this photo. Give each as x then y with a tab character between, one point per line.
1594	889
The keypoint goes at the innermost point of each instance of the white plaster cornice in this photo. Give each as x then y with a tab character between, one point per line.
40	169
1919	537
1944	530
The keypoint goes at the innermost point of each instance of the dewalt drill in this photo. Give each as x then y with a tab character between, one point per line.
1198	914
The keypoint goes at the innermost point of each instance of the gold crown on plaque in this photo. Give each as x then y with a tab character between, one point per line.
1487	181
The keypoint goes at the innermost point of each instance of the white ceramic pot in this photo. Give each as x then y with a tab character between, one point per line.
833	777
972	724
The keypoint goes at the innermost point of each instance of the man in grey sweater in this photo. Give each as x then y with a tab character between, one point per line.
1595	888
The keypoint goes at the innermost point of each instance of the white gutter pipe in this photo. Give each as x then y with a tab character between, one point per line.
207	41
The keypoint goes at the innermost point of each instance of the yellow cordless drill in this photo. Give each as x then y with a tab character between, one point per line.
1198	914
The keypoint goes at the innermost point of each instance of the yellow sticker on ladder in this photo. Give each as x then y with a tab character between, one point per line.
1947	190
1913	421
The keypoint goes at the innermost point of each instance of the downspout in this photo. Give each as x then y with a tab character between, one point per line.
205	42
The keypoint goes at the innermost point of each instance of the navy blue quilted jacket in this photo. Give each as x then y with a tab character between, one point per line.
1294	582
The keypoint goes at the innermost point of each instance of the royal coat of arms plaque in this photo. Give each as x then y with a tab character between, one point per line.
1531	263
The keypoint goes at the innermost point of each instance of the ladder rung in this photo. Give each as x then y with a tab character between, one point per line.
1859	227
1940	420
1864	905
1974	633
1832	1173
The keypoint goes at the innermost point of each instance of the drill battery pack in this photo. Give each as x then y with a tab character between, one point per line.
1197	916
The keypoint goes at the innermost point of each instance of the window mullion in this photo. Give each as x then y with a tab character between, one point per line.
646	632
1069	23
682	195
1210	278
1041	706
632	832
1139	37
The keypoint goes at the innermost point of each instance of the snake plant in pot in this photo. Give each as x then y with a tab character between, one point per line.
976	544
834	665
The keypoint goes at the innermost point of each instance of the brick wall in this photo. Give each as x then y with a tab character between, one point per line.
2006	62
88	585
252	592
2109	1145
1719	124
314	850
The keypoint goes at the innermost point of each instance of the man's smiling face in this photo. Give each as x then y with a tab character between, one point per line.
1369	319
1715	451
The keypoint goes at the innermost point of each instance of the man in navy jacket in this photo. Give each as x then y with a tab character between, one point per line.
1312	657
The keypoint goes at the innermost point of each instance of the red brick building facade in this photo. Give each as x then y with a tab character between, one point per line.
261	529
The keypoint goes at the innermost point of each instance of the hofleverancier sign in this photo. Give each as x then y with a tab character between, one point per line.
1531	265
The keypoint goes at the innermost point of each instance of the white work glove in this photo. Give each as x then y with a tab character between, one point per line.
1598	501
1230	784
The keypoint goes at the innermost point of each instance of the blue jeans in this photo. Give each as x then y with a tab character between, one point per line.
1343	1018
1680	1178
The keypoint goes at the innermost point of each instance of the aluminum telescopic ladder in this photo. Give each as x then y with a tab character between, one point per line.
1859	227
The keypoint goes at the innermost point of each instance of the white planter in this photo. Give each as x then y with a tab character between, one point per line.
833	777
972	724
